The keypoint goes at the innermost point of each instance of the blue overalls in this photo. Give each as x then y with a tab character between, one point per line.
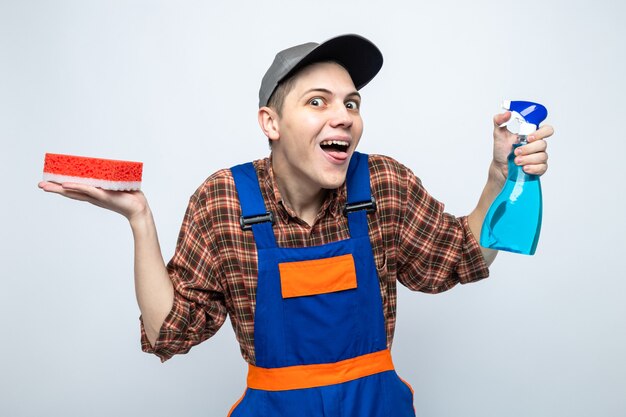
319	329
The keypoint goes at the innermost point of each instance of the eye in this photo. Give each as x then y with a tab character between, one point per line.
316	101
353	105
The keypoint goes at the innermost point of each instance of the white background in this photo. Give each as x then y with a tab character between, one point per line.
174	84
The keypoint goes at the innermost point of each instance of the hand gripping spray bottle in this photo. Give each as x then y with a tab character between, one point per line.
513	221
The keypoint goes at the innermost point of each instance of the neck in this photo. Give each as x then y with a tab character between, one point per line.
304	199
305	204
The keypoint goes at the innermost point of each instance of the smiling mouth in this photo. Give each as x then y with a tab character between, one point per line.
335	146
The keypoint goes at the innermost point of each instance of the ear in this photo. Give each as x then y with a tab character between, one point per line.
268	120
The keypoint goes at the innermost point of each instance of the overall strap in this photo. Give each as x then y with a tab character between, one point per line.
359	199
254	214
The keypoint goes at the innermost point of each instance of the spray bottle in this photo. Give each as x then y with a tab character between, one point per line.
513	221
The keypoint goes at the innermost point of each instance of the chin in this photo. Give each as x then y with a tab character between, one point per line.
333	182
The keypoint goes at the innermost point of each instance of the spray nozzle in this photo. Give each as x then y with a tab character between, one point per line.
525	116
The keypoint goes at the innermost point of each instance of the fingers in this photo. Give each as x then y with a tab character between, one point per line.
532	153
55	187
49	186
83	189
78	192
533	157
534	146
543	132
538	169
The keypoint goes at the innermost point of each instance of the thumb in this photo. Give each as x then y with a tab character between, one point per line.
500	118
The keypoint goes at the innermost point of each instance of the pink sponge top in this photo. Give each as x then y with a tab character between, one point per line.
104	173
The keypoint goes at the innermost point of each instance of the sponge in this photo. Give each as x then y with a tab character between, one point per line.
108	174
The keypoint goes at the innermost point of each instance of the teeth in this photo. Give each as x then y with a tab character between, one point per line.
335	142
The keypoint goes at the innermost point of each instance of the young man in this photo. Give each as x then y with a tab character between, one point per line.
303	249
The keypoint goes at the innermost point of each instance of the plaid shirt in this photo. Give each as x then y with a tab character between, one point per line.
214	267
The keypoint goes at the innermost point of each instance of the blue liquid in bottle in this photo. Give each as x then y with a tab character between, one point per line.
513	222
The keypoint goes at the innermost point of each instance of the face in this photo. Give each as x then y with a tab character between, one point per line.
319	128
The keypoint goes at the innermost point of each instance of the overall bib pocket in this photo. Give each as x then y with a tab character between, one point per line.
320	303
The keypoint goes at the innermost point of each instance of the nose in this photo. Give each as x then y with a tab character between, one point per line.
341	117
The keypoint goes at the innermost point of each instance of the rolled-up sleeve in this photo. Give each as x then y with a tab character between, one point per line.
199	308
436	250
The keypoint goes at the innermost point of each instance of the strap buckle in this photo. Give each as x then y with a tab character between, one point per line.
369	206
246	222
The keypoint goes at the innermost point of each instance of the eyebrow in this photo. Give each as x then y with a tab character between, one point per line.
327	91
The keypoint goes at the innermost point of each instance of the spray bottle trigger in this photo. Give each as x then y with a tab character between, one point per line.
518	125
